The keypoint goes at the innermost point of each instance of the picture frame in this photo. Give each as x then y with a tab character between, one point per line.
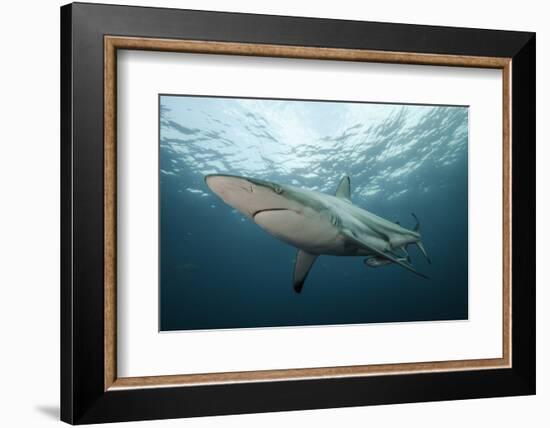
91	36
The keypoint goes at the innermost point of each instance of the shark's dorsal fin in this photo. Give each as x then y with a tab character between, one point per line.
302	266
344	191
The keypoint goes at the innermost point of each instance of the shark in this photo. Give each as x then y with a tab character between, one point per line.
318	224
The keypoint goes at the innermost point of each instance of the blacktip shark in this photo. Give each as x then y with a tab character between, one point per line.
317	223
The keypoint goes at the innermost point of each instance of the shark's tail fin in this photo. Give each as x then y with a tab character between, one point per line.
421	246
417	227
419	243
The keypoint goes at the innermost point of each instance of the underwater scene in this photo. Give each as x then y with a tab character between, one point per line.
277	213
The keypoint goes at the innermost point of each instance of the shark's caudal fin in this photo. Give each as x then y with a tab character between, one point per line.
417	226
419	243
344	189
423	250
302	266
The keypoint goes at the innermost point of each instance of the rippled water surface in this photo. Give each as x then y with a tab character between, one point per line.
220	270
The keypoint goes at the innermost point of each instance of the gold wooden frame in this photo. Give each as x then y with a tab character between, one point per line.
113	43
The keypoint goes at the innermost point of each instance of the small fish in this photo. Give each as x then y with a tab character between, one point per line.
379	261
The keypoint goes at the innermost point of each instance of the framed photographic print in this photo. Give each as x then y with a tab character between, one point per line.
265	213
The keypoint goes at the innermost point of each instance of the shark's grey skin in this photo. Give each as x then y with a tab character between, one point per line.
316	223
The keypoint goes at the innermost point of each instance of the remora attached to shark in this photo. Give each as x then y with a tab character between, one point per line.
316	223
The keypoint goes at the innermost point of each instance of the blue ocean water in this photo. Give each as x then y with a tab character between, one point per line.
220	270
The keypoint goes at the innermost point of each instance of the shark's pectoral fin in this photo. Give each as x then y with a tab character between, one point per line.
344	189
302	266
383	254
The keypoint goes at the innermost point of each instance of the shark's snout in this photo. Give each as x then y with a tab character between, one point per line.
227	185
249	196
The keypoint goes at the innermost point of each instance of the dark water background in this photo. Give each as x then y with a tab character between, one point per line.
220	270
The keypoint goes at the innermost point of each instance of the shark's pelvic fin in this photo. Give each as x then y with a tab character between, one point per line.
302	266
344	189
383	254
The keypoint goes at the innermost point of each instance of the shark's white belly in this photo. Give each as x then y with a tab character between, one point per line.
314	234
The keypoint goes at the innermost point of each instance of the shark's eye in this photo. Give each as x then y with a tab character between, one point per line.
278	190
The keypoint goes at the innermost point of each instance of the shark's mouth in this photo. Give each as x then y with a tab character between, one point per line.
250	197
268	210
